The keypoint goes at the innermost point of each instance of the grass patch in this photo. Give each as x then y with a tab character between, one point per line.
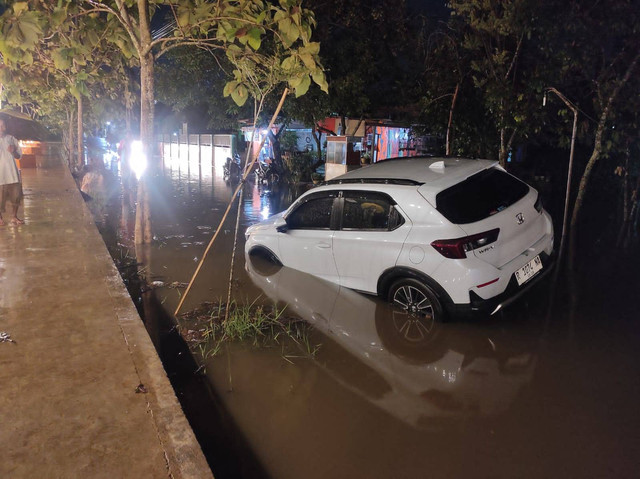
205	329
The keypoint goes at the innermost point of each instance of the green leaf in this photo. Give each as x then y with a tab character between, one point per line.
254	36
226	31
20	7
74	91
5	75
229	87
31	33
240	95
59	15
294	82
289	64
61	59
303	86
289	31
27	58
92	38
260	18
184	17
297	18
82	88
312	48
308	61
320	79
234	50
11	55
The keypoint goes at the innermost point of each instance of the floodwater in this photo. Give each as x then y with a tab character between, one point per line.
531	392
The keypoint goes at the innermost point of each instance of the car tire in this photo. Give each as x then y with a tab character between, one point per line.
416	298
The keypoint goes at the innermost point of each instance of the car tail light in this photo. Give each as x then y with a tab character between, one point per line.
538	204
457	248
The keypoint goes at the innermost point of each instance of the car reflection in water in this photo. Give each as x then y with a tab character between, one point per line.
412	368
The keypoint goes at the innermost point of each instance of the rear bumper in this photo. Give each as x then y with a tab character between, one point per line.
479	306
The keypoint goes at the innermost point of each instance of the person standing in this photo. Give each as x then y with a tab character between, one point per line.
10	185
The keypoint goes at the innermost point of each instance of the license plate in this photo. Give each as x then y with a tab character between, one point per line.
529	270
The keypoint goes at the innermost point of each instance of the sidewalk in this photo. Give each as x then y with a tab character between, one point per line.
68	401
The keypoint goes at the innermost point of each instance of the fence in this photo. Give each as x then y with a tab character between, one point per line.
201	150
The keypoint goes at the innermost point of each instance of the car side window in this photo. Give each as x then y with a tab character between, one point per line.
312	214
367	210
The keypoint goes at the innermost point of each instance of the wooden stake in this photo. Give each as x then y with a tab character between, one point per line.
235	193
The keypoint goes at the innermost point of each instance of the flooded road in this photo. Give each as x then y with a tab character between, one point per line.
187	204
521	394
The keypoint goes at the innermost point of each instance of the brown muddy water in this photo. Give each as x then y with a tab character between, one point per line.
528	393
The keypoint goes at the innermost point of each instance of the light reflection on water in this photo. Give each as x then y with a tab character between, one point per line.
187	202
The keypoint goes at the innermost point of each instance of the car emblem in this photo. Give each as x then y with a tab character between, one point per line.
520	218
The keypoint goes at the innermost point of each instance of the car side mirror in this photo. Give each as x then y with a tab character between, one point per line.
282	226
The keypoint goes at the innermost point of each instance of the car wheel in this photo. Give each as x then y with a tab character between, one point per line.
264	262
419	302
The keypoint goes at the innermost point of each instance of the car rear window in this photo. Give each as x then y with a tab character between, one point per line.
480	196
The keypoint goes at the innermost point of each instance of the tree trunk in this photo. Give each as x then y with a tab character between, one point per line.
625	201
70	139
627	230
143	233
80	150
453	105
505	146
502	153
128	107
633	218
595	156
582	190
317	137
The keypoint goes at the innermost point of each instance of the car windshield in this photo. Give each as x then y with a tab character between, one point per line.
480	196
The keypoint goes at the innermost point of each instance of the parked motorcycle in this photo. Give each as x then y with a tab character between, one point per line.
266	174
232	168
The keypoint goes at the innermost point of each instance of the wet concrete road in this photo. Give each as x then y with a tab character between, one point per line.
82	391
523	394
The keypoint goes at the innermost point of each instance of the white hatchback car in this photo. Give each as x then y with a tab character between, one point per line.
435	236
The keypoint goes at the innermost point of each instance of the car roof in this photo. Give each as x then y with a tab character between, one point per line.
438	173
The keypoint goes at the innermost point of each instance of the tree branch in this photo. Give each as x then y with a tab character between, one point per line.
515	57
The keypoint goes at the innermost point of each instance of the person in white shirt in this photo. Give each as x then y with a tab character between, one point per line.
10	184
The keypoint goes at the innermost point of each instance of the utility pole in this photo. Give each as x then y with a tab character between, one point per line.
574	109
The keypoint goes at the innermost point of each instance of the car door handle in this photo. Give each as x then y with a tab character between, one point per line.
323	245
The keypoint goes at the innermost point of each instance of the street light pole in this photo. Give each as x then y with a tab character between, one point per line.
574	109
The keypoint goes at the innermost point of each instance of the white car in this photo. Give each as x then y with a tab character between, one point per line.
435	236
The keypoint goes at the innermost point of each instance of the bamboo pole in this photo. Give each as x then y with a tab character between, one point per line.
226	213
